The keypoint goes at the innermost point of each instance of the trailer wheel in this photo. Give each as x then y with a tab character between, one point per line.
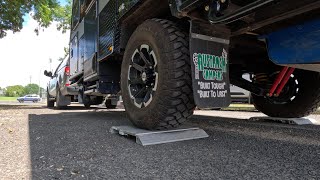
156	76
299	98
50	104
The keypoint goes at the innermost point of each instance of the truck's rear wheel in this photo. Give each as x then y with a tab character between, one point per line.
299	98
156	76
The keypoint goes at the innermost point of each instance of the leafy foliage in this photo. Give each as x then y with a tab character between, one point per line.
31	89
66	53
14	91
63	16
44	12
18	90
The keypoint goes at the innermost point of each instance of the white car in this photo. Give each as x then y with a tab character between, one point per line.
30	97
239	94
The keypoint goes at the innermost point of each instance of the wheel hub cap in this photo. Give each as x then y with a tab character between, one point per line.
142	76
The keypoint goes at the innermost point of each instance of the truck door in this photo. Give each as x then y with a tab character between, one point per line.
75	38
90	34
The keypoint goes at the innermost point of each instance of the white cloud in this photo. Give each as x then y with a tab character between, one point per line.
25	54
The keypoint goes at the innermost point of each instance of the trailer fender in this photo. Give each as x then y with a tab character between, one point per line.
296	45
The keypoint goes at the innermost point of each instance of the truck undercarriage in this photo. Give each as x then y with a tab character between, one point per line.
166	57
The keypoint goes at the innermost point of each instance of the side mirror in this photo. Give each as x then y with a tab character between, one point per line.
47	73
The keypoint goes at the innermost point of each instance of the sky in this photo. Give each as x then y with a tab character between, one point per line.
24	54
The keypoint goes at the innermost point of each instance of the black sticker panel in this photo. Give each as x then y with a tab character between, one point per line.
210	71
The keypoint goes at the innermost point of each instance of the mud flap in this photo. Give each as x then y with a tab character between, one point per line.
64	100
210	67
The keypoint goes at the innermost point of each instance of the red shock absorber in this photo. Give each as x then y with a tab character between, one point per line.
277	81
284	81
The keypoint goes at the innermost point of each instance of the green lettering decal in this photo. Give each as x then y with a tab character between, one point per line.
217	62
219	76
200	65
210	59
224	64
205	59
212	67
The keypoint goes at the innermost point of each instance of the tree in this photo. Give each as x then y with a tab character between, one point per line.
66	53
31	89
14	91
44	12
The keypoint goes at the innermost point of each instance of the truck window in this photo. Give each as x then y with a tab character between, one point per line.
58	68
64	63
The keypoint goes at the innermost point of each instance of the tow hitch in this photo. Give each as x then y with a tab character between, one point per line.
280	81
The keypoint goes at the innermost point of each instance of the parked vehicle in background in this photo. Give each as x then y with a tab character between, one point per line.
59	90
29	97
239	95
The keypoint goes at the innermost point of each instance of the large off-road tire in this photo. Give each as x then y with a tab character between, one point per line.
300	97
156	76
50	103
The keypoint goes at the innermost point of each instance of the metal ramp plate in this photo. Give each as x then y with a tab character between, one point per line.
146	137
296	121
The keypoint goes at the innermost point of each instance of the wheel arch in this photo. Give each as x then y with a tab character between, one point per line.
148	10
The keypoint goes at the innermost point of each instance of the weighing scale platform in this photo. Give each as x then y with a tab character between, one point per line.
147	137
295	121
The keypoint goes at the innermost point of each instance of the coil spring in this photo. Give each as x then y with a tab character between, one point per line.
261	78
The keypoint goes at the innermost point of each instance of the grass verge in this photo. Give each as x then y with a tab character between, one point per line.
2	98
248	107
240	107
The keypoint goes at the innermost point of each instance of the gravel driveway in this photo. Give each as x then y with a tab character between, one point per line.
40	143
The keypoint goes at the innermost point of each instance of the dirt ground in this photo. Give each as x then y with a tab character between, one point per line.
40	143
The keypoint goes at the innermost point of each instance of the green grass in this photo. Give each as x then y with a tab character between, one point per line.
8	98
240	107
248	107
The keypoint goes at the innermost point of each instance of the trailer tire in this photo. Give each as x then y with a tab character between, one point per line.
171	94
306	101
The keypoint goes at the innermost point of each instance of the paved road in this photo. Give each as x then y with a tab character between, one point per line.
41	143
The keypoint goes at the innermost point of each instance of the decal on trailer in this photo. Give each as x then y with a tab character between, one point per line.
210	71
211	66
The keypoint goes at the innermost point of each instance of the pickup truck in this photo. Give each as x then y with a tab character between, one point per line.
167	56
59	90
